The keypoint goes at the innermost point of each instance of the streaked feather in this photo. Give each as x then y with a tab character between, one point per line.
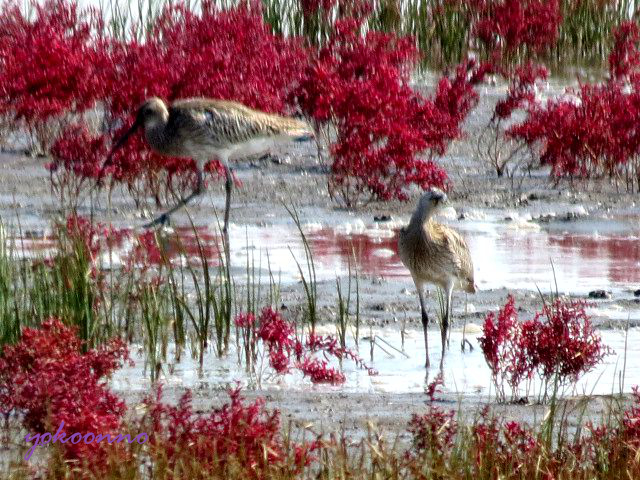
435	253
201	128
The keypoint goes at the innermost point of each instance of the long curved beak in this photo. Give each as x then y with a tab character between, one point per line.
123	139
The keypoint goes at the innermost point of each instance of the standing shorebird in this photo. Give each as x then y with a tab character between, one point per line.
201	129
436	254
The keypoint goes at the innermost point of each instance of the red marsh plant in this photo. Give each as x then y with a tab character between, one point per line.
47	379
590	132
511	28
503	153
434	432
286	351
238	440
356	93
77	157
66	61
558	344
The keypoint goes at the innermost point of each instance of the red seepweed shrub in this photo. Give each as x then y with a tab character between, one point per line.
283	346
590	132
237	437
358	86
506	26
62	46
433	432
558	344
46	379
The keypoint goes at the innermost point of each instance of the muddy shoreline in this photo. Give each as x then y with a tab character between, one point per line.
293	175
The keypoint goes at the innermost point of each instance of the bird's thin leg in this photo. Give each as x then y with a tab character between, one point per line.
162	219
445	322
425	323
465	340
228	185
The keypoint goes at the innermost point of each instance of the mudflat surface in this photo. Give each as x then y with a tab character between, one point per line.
293	174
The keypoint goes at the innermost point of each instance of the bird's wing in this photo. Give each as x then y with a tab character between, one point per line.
457	247
226	122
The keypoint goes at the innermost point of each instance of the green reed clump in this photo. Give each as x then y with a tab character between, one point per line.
344	316
155	314
12	292
309	281
584	36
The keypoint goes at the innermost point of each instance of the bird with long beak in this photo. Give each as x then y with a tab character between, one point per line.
204	129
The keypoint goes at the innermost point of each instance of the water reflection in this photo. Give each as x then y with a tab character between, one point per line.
464	373
503	256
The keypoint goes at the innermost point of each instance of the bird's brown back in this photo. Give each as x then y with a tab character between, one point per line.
221	123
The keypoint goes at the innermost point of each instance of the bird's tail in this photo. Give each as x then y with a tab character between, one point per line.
297	130
304	137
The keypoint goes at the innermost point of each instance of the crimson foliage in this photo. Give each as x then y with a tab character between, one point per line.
52	65
237	436
358	85
558	344
591	131
47	379
285	348
505	26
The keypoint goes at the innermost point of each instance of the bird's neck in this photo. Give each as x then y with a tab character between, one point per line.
422	215
156	133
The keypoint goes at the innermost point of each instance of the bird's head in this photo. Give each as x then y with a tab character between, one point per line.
152	112
432	199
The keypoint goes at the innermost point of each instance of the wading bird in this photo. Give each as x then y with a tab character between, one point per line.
435	254
201	129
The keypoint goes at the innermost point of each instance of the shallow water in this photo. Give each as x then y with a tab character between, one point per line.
519	254
464	373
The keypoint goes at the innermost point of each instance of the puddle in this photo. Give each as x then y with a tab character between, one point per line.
516	255
464	373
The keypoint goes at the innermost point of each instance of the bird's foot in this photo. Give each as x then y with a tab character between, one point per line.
467	342
162	220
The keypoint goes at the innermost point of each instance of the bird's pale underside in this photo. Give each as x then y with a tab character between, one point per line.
435	254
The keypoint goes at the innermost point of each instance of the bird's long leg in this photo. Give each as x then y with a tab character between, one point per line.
465	340
425	322
446	321
228	185
162	219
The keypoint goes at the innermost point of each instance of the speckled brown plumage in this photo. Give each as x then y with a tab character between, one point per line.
435	254
205	129
198	127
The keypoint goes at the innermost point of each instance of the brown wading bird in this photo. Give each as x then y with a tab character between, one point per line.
435	254
201	129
